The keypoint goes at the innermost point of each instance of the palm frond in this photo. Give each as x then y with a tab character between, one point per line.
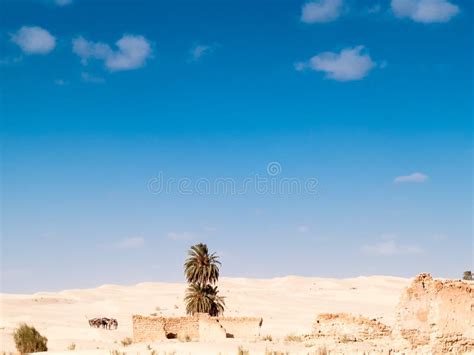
200	266
203	299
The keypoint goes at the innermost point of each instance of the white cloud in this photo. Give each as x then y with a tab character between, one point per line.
180	236
63	2
303	229
88	78
390	247
131	243
425	11
347	65
300	66
34	40
415	177
131	53
321	11
86	49
199	50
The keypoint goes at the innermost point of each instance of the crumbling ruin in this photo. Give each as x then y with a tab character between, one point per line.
438	314
344	327
198	327
433	316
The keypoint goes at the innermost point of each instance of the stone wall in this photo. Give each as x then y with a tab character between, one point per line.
241	327
210	329
437	314
182	327
345	327
148	328
433	316
198	327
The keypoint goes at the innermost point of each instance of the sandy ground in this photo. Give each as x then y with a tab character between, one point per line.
288	305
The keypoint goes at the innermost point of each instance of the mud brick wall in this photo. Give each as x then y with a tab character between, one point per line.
182	327
437	313
210	329
148	328
345	326
198	327
241	327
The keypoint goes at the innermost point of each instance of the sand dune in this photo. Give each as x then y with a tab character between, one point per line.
288	305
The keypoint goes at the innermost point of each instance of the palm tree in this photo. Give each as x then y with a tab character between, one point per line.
201	267
203	299
202	272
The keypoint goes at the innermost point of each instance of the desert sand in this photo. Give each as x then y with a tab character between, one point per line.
288	306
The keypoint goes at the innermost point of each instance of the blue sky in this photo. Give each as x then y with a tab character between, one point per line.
373	99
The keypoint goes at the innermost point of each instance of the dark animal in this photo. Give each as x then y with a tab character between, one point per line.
106	323
113	324
95	322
